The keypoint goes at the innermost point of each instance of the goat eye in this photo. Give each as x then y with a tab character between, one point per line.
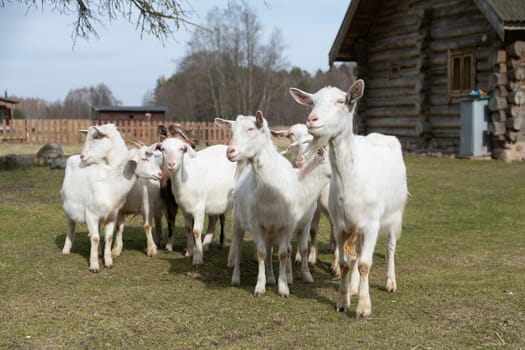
251	129
340	101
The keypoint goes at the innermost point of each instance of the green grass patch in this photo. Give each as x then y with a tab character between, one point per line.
460	270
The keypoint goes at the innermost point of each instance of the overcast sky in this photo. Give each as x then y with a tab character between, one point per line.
38	58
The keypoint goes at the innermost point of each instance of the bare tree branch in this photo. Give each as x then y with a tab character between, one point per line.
160	18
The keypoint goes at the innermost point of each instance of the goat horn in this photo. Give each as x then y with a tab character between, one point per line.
139	142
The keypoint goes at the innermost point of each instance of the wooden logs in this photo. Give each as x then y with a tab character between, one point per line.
516	97
516	49
517	73
497	103
499	116
497	128
507	84
515	111
515	123
497	79
498	57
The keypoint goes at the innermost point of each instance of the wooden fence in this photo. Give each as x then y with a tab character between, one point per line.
66	131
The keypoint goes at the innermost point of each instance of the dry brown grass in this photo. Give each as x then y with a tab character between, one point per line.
28	150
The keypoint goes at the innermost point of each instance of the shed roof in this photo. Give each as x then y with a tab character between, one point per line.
130	109
8	101
504	16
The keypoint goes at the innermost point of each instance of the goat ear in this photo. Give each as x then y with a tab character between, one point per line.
162	131
280	133
191	152
355	92
157	147
99	132
223	123
139	142
301	97
259	119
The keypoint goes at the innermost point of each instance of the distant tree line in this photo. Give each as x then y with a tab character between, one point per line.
229	70
77	104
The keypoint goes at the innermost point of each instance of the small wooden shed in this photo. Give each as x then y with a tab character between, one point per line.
128	113
7	107
421	58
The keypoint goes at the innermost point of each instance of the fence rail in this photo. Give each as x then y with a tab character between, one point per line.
66	131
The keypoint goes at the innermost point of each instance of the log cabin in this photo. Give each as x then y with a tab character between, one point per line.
421	58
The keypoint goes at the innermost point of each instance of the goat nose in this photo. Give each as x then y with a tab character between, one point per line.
230	150
299	161
313	118
82	156
171	165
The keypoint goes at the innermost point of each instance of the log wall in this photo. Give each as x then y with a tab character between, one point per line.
407	69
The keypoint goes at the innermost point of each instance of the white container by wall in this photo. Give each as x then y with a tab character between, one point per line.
474	122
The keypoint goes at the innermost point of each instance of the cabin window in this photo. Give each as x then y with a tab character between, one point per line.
461	73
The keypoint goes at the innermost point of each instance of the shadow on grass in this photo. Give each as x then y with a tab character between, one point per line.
133	238
215	274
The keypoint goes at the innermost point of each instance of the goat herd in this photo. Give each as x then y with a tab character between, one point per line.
359	181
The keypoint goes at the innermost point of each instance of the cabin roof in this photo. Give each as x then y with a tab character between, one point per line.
509	10
504	16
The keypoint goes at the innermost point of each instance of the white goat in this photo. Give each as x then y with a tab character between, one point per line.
265	200
202	183
93	191
299	138
368	189
268	205
168	199
145	199
313	177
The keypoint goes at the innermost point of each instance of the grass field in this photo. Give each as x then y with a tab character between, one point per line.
460	273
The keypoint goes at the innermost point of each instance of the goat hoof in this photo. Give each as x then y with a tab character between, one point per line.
109	266
391	286
259	291
363	310
308	279
341	305
364	315
94	270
